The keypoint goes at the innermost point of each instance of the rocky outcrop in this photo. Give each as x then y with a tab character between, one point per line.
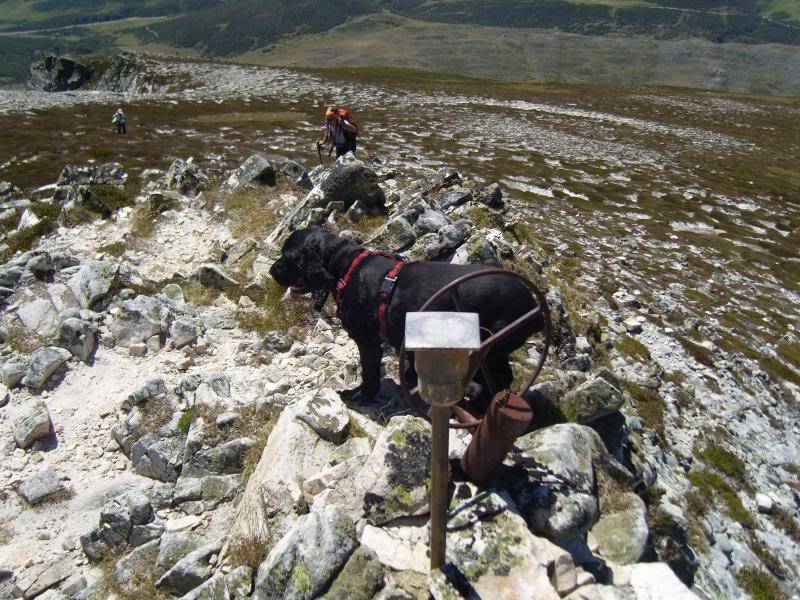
58	74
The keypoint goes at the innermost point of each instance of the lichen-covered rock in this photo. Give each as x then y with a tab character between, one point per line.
93	282
235	585
326	414
558	497
190	571
349	181
186	177
130	569
79	196
32	424
44	362
158	457
13	370
592	400
491	547
360	579
307	558
447	240
396	477
452	198
225	458
395	235
185	330
57	74
623	535
126	520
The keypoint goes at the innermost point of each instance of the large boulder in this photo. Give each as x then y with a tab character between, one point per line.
326	414
349	181
190	571
395	479
33	424
304	562
126	520
360	579
255	169
74	196
623	535
158	457
557	496
58	74
497	555
394	235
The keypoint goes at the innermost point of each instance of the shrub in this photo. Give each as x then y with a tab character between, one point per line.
785	521
630	346
725	460
712	485
759	584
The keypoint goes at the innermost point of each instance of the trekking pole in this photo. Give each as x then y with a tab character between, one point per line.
319	152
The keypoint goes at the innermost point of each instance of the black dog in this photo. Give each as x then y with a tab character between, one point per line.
313	260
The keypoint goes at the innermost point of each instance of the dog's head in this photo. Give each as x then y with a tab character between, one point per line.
301	266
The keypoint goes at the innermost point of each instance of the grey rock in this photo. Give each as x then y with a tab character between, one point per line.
93	282
5	395
77	336
558	498
140	508
498	556
623	535
430	221
138	320
453	198
235	585
129	569
57	74
449	238
184	331
79	196
159	201
157	457
32	424
308	557
491	196
185	177
190	571
394	481
360	579
223	459
173	547
141	534
592	400
41	577
443	178
41	487
44	362
327	415
12	371
351	181
296	173
214	277
39	315
255	169
395	235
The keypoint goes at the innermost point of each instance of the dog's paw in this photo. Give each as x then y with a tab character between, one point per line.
356	395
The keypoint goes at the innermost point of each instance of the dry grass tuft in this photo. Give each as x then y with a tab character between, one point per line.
612	494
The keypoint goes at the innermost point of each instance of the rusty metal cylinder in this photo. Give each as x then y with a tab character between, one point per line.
507	418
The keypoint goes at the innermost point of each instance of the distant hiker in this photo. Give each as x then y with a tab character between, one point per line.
119	120
340	131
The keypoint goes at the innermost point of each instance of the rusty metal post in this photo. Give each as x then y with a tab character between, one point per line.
440	416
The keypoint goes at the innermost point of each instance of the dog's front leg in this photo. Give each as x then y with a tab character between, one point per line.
370	353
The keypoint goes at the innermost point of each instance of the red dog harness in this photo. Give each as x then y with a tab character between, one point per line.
385	291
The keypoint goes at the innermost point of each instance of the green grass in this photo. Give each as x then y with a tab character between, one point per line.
698	352
712	485
26	239
784	519
633	348
651	406
759	584
726	461
272	313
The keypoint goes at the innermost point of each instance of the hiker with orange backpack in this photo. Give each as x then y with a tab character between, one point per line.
340	132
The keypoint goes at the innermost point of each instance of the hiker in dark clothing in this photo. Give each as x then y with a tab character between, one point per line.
340	131
119	120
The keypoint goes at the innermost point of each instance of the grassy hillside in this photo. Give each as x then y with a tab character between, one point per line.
257	29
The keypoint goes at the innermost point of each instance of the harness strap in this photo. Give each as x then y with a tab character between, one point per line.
384	293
